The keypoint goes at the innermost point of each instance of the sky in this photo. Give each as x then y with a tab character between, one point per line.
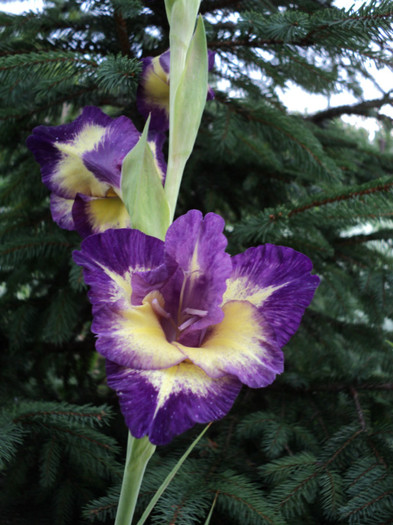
294	98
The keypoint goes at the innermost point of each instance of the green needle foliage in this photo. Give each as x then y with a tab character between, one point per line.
316	446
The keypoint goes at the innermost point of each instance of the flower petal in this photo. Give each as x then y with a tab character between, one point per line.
61	210
277	280
156	141
134	337
153	92
95	215
197	245
242	345
162	404
106	156
59	150
109	260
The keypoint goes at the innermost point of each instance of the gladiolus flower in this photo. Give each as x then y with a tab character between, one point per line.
81	165
153	90
183	325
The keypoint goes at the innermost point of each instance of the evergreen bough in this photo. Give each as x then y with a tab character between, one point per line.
314	447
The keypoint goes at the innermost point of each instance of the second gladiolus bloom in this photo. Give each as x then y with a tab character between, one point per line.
81	165
183	324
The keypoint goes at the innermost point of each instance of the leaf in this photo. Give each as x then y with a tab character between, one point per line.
170	476
142	190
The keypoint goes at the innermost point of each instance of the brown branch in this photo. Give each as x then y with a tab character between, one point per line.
363	108
247	504
312	37
315	204
96	415
381	496
122	34
355	396
49	60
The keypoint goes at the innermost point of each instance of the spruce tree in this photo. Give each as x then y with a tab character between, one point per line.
315	447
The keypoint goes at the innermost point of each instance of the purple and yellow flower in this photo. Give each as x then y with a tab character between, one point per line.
183	325
153	90
81	165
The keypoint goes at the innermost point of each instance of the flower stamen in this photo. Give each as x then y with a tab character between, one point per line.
159	310
187	323
195	311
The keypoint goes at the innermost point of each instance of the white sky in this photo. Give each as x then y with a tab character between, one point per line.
294	98
20	6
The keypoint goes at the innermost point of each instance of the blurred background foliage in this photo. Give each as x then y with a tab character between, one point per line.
316	446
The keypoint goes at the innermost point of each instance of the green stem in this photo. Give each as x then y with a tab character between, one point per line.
139	451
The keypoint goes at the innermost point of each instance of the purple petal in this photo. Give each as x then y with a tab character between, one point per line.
133	336
58	150
156	141
109	260
211	55
197	246
61	210
105	159
153	89
277	280
94	215
130	335
210	93
242	345
152	96
162	404
165	59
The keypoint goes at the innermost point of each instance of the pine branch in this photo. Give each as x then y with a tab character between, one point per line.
85	415
345	196
363	108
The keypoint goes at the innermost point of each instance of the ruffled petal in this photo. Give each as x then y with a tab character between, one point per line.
106	157
153	93
109	260
156	141
133	337
162	404
61	210
197	245
277	280
165	61
242	345
59	150
153	89
95	215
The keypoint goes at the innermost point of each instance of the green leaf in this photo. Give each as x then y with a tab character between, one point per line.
142	190
170	476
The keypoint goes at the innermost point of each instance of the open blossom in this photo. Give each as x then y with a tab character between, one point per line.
153	90
81	165
183	325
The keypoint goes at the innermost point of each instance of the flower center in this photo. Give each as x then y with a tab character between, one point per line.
111	193
173	330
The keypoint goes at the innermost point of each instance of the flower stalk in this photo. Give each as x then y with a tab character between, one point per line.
139	452
187	91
